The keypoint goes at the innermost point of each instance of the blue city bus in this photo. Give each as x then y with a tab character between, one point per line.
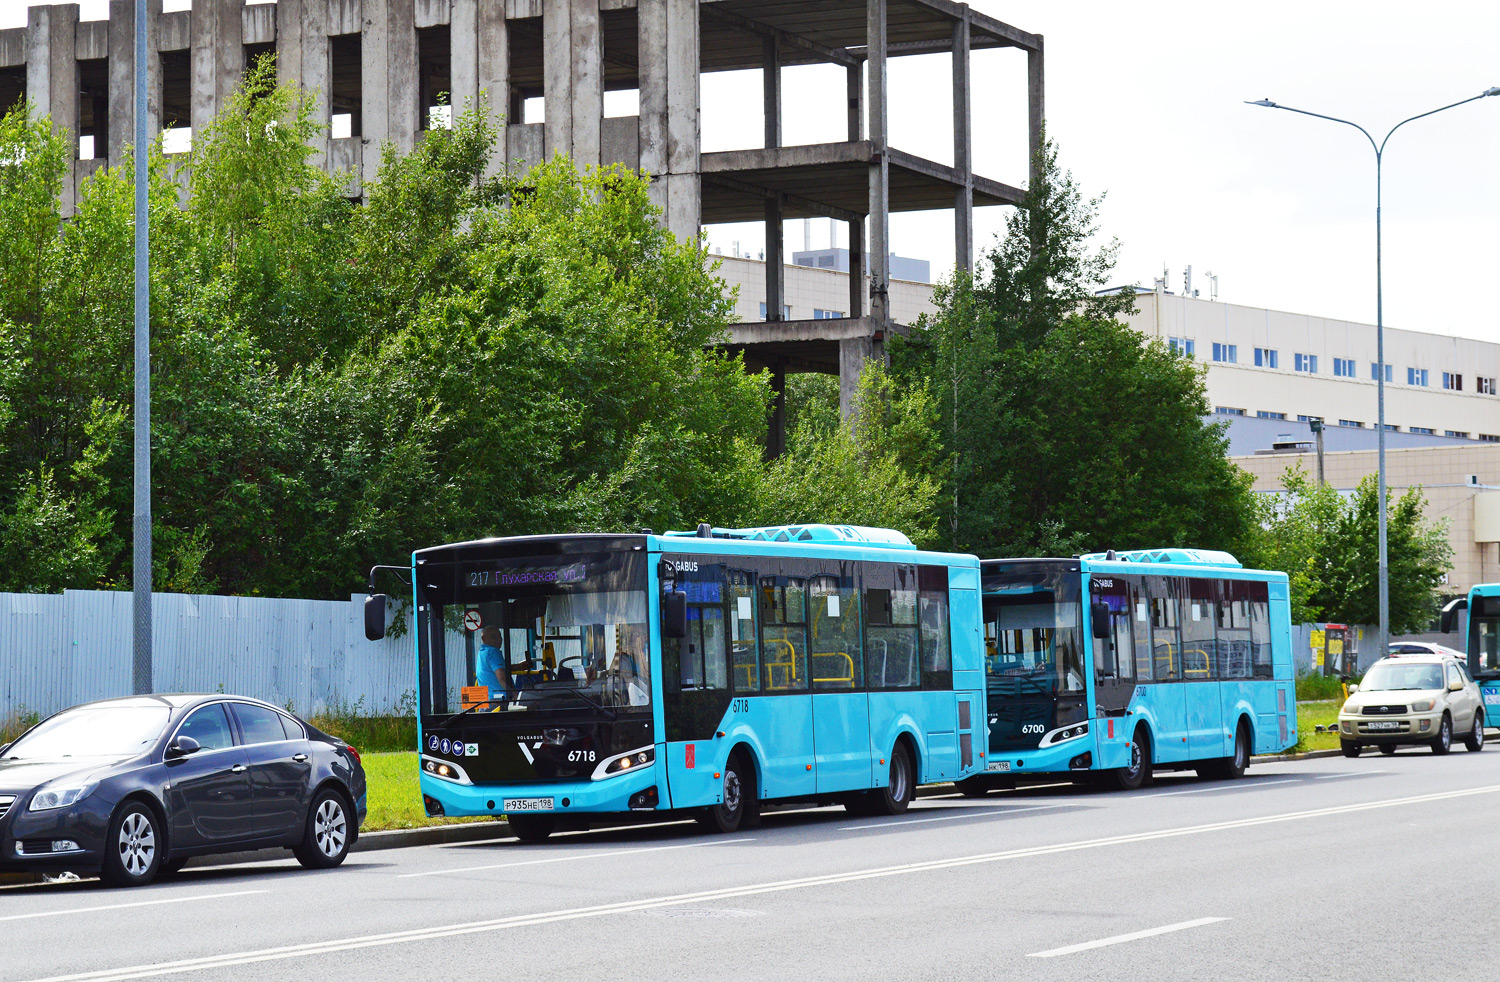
1481	640
1112	665
564	678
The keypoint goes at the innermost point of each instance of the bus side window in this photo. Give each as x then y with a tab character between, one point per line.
783	633
1260	630
833	622
1234	629
746	658
1140	605
1114	656
932	618
891	627
1166	645
700	657
1196	607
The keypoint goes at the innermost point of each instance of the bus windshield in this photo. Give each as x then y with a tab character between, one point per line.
546	634
1484	635
1032	645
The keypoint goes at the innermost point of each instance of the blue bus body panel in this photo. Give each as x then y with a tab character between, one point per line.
841	721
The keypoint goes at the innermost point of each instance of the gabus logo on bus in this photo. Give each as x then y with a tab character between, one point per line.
684	565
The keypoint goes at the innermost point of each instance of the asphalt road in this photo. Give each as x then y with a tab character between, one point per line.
1369	869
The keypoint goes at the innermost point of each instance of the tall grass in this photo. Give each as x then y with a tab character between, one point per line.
1312	685
17	723
368	734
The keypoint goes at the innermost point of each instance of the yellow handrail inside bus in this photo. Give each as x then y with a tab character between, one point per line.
849	678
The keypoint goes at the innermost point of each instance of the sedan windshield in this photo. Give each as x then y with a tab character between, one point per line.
1391	676
100	731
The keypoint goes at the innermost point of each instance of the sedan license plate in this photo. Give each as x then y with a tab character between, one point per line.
1384	724
998	765
528	804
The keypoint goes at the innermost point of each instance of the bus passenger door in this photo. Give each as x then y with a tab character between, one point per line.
1167	698
1205	720
783	715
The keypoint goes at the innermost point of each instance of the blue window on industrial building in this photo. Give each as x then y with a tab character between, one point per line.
1182	346
1454	381
1343	367
1228	411
819	314
1459	434
1266	414
1424	430
1356	424
1266	358
1226	352
1375	372
1305	363
1416	376
786	312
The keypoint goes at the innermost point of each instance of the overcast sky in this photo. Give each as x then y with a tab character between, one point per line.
1145	104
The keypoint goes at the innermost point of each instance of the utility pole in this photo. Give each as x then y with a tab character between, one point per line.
141	672
1317	428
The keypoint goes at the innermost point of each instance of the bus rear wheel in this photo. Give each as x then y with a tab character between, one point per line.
897	793
531	828
1229	768
1136	773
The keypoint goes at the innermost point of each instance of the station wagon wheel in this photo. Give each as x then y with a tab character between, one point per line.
1387	749
327	837
1443	742
1475	740
132	853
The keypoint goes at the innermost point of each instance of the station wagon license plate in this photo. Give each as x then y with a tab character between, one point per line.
528	804
1384	724
997	765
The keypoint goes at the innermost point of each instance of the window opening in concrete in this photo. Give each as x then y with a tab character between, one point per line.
534	110
93	108
12	87
346	90
435	77
176	101
621	62
253	53
525	101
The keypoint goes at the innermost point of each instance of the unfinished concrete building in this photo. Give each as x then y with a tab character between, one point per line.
378	67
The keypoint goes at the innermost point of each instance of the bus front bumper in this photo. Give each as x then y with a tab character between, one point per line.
637	791
1079	754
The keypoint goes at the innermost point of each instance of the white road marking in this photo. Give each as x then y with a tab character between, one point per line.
877	826
1335	777
138	903
1218	787
707	896
568	859
1122	938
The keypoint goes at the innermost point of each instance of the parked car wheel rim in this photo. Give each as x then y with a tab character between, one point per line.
329	828
1478	731
1445	732
137	843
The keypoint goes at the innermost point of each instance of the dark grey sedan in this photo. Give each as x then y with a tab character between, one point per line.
135	787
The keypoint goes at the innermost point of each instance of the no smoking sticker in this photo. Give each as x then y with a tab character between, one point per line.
473	621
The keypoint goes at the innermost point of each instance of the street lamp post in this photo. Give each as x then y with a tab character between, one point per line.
1384	638
140	571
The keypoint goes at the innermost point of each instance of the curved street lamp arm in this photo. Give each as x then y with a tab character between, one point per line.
1276	105
1460	102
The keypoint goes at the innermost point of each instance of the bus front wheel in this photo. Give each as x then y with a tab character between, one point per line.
735	795
530	828
1136	773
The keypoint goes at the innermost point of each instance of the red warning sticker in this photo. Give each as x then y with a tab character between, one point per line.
690	754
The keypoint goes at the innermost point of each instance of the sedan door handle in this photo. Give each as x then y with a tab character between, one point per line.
299	758
237	769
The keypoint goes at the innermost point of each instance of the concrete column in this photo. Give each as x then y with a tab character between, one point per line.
316	70
1035	101
557	76
880	259
775	266
402	91
52	80
493	74
217	60
374	54
122	74
776	432
855	85
463	55
587	48
963	150
668	53
853	354
771	72
857	268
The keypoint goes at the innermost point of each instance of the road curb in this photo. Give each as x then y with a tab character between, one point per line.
1310	755
432	835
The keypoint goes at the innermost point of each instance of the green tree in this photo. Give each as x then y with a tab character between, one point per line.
1063	429
1328	543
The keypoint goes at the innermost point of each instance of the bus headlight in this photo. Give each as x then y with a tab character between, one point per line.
446	770
629	762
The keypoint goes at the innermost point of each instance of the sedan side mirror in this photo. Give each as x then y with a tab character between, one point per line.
182	746
1353	688
375	616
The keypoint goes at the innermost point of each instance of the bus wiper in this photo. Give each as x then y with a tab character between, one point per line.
585	697
1032	682
477	705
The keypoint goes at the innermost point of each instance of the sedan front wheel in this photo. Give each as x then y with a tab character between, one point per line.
132	849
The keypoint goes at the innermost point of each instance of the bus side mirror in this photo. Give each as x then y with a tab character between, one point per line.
1449	621
674	615
375	616
1099	615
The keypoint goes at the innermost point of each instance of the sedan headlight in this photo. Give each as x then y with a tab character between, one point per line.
59	797
1423	705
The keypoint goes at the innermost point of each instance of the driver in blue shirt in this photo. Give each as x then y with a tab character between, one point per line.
490	668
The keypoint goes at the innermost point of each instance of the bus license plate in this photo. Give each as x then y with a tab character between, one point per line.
998	765
528	804
1385	724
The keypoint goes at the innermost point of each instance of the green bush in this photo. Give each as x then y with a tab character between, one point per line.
1316	686
17	723
370	734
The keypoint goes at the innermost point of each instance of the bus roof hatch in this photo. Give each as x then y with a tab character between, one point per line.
849	535
1176	557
